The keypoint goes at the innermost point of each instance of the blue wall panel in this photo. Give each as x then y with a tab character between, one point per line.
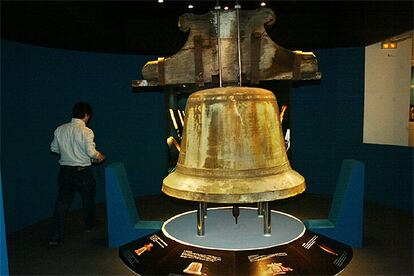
39	87
327	126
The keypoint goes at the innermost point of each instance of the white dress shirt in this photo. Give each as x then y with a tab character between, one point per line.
74	142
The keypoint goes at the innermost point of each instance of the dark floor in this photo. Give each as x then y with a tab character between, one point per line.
387	250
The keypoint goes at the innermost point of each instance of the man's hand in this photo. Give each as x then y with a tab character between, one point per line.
99	158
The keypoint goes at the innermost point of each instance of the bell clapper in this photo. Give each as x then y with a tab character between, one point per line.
236	212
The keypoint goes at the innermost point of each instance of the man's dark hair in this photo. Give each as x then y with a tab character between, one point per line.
80	109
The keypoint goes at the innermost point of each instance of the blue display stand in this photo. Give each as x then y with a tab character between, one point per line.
124	224
4	267
345	221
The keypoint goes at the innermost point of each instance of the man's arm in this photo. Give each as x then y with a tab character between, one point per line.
54	146
90	146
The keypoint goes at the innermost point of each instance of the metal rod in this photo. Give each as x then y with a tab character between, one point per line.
260	209
205	209
217	7
267	223
200	219
237	7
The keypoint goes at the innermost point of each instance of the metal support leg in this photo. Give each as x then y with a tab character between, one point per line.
205	209
201	218
267	223
260	209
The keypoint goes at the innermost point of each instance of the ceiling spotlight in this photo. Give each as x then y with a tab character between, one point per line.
263	4
160	1
190	6
389	44
226	8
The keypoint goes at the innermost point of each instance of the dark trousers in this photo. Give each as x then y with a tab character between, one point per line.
71	180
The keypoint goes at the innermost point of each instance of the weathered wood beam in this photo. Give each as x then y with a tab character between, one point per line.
197	64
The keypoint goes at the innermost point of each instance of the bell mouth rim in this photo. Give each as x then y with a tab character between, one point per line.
230	189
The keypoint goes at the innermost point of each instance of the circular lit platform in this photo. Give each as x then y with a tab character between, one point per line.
235	249
222	232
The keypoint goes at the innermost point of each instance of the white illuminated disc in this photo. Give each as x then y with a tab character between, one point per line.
221	231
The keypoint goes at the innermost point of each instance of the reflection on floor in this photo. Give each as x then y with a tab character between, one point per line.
388	239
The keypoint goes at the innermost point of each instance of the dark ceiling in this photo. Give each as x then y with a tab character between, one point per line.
147	27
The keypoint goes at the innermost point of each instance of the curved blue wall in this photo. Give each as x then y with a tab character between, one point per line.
327	126
38	89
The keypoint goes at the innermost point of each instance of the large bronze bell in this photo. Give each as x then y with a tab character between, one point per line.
233	150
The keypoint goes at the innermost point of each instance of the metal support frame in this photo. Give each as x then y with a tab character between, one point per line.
205	209
217	8
238	7
263	210
260	209
201	213
267	223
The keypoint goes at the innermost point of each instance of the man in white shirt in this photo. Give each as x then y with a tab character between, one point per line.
74	142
